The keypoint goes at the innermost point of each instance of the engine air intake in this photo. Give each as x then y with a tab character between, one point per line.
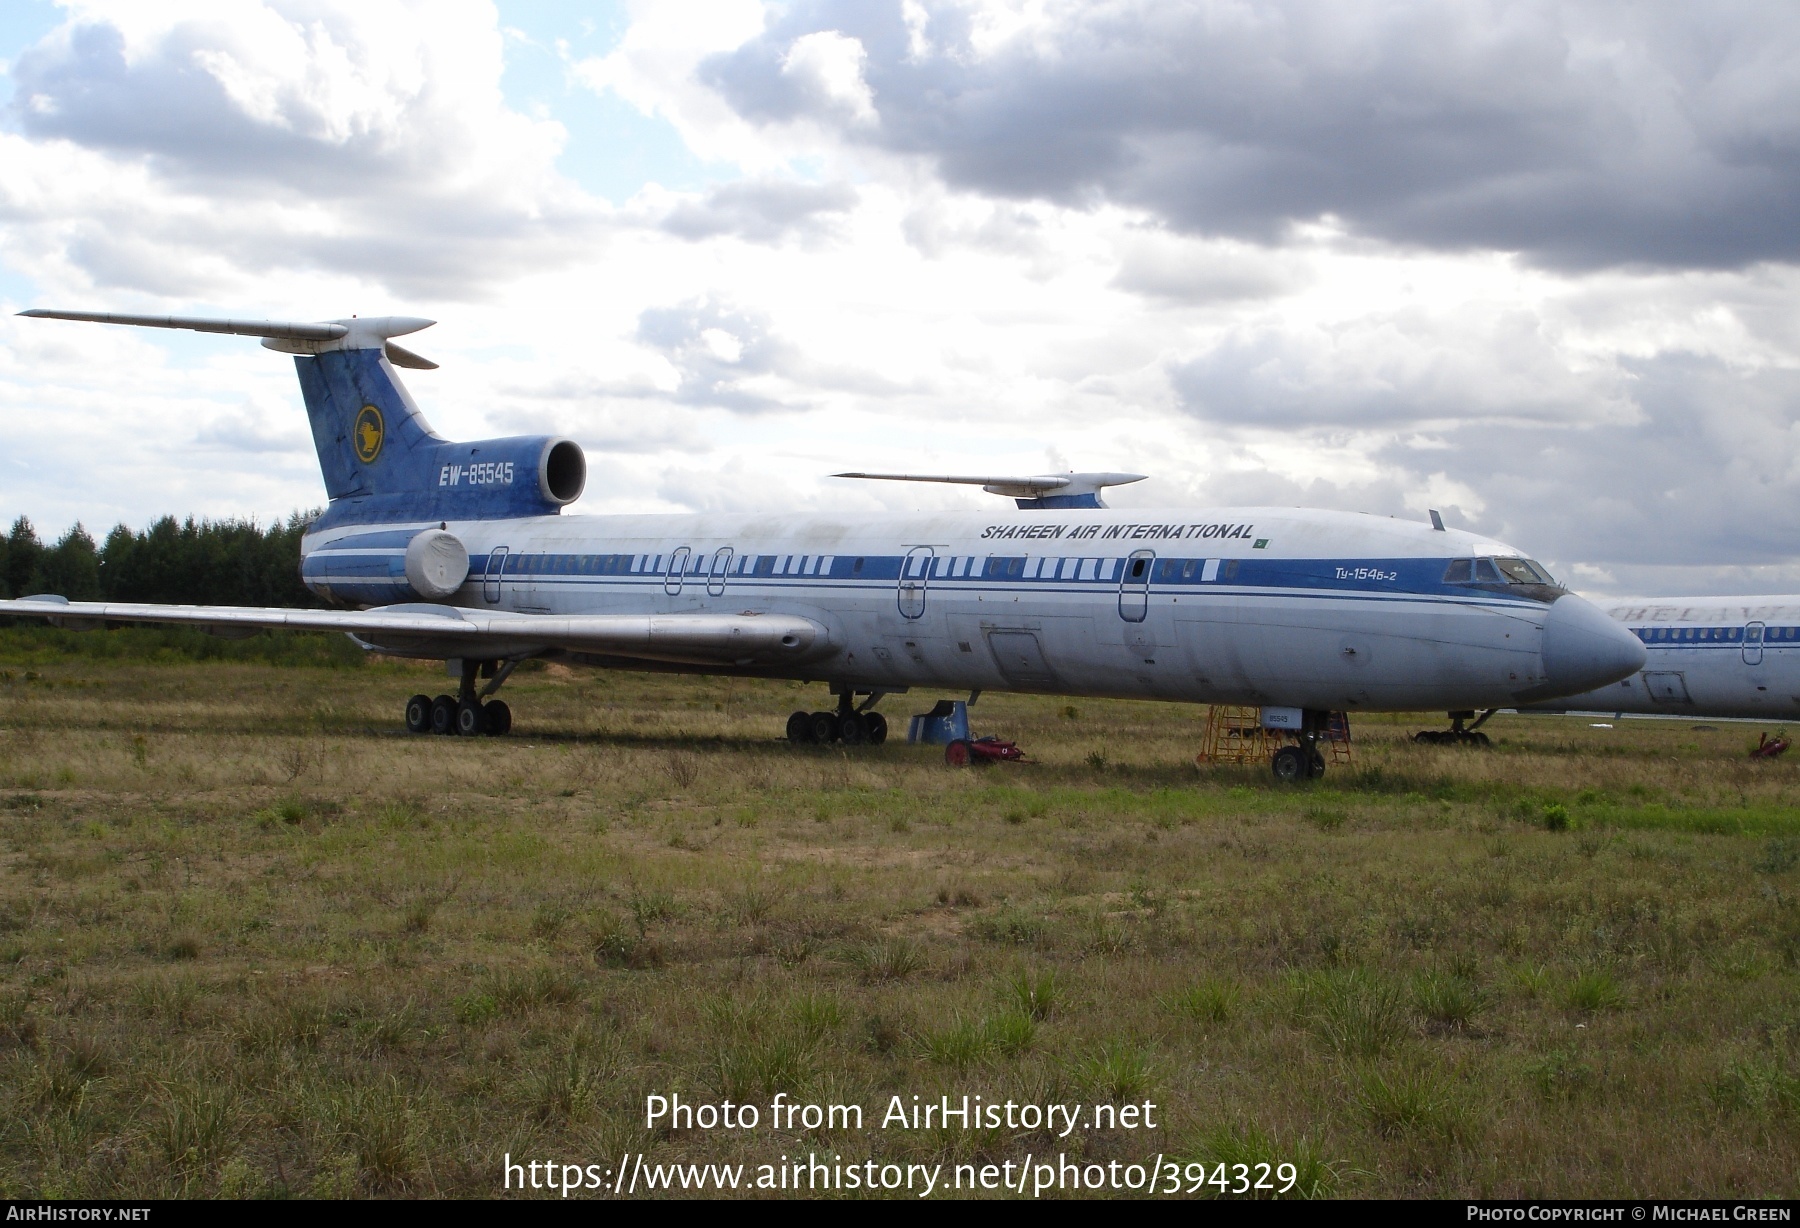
562	472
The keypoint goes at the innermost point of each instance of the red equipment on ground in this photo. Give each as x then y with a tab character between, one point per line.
982	751
1767	747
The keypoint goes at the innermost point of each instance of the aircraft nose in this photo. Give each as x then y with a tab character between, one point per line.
1583	648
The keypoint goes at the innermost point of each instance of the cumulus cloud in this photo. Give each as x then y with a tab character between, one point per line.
170	150
1582	135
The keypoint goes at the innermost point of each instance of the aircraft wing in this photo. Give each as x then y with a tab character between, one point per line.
451	631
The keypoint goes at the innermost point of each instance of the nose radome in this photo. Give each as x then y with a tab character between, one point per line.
1583	648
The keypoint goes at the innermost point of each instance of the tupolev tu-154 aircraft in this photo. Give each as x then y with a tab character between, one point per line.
1725	657
460	552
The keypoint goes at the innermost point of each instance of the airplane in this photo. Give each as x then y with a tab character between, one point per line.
1722	657
461	552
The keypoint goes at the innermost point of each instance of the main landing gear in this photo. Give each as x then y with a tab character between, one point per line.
1457	735
1292	764
467	715
849	725
1322	737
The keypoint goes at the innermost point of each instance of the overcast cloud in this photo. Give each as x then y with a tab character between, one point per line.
1531	264
1578	134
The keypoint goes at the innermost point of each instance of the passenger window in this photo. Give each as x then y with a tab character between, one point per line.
1187	570
1231	570
1460	571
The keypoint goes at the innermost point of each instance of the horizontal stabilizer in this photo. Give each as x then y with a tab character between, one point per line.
1040	490
400	356
284	329
451	631
288	336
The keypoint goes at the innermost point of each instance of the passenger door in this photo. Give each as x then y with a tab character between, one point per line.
1753	642
1134	586
915	572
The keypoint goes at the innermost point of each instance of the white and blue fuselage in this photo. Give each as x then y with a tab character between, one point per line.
1275	606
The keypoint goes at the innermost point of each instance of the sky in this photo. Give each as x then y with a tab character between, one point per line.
1536	265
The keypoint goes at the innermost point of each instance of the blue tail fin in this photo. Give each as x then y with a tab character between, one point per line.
371	438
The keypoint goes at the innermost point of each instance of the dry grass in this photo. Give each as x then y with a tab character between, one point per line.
255	941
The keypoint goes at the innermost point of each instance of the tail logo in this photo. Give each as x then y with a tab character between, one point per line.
368	434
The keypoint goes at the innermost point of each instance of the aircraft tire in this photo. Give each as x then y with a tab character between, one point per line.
443	715
957	754
418	714
1316	769
1426	737
824	727
1289	765
499	719
799	728
877	724
853	730
471	719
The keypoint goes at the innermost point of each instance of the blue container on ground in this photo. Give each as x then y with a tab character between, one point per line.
946	723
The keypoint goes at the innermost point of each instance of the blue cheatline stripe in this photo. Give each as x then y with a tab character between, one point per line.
333	565
652	585
954	572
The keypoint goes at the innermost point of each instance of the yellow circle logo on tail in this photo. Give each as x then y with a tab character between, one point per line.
368	434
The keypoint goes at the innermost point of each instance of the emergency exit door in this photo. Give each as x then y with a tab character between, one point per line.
496	567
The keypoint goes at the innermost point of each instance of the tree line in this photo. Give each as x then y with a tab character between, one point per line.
199	562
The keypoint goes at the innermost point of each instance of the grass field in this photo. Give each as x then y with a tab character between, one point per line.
254	941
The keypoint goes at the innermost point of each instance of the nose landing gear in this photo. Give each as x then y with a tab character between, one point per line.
470	713
1457	735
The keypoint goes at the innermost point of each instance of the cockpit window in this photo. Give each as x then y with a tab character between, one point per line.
1498	571
1523	571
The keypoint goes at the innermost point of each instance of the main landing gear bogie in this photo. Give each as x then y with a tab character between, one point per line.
468	713
468	718
845	728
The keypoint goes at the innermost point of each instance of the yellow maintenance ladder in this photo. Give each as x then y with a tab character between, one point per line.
1234	734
